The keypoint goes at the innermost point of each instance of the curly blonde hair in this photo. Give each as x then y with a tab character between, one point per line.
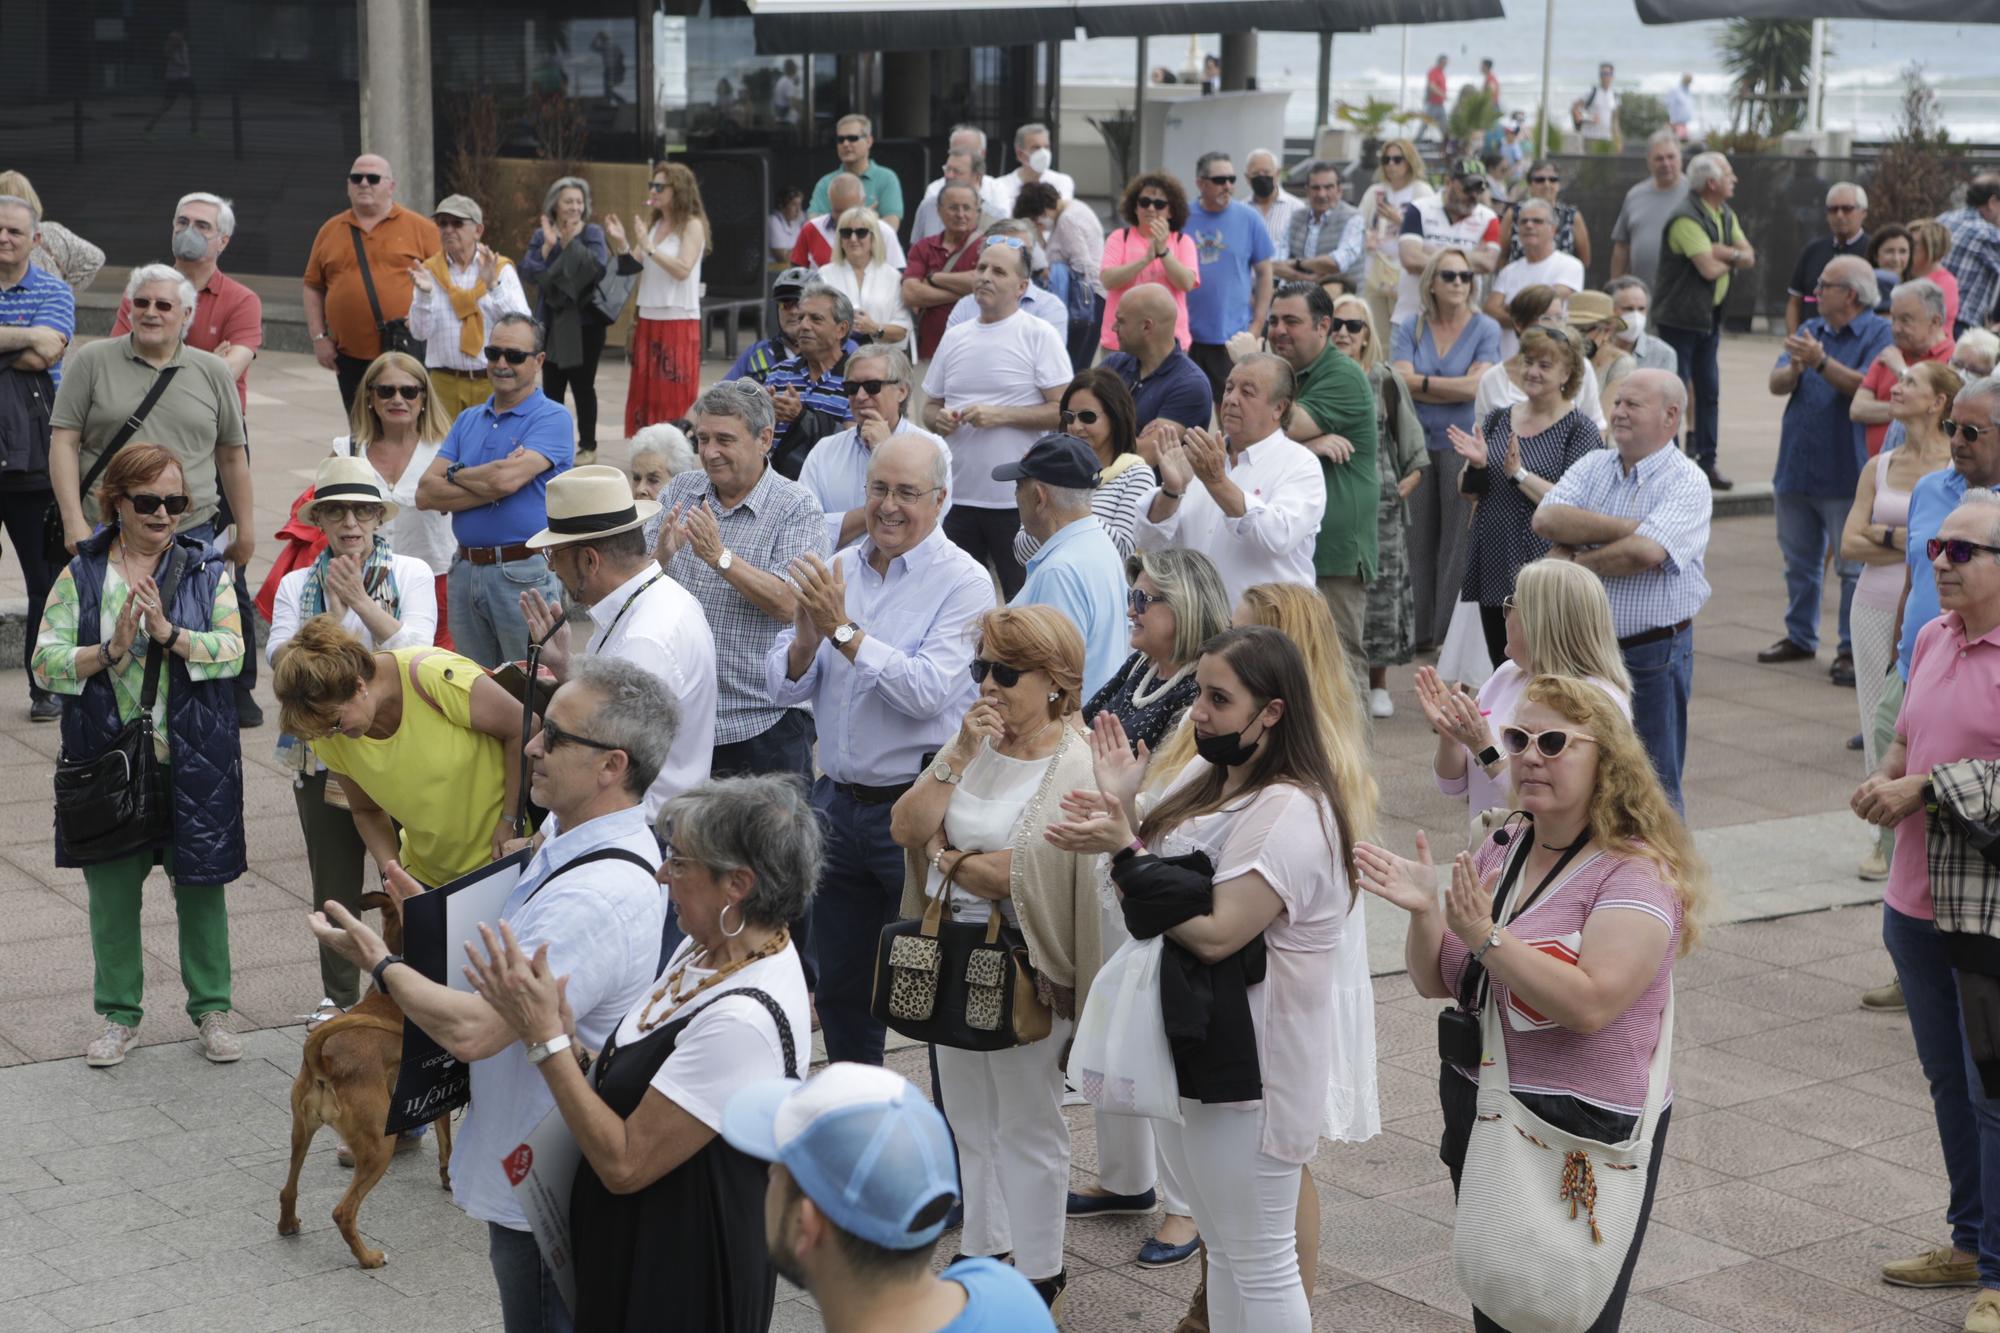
1629	813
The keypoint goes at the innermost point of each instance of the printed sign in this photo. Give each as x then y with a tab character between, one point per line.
542	1170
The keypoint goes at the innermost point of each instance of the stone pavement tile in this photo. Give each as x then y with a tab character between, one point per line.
1860	925
1179	1281
794	1317
1854	968
1108	1242
1712	1075
1711	805
1834	1046
1903	1083
1770	1298
1918	1322
96	1257
1671	1255
106	1300
1401	1093
44	1192
1681	1176
1707	966
1775	942
1433	1283
425	1270
10	1055
1702	1018
1105	1300
1787	992
1952	1306
1917	1151
1401	1027
1383	1164
214	1192
132	1165
1740	1146
1642	1312
1372	1238
208	1237
120	1126
39	913
1832	1111
31	973
1861	1186
20	1316
238	1312
111	1215
21	1232
276	996
1435	1201
1855	1261
1747	1217
1364	1305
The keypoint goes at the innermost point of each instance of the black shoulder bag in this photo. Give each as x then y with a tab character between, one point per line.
117	802
394	333
55	542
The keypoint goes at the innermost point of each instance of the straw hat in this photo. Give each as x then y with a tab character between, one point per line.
1587	308
348	479
588	502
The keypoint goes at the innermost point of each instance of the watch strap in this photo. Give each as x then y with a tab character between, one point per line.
381	967
542	1050
1488	756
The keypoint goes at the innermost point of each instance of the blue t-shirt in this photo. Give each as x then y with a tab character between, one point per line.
1478	343
1176	390
1820	448
40	298
482	435
1931	501
1079	573
1229	245
997	1300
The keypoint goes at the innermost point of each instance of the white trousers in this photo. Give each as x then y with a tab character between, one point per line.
1246	1204
1128	1161
1005	1108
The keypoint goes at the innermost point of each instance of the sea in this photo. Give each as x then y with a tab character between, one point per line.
1864	67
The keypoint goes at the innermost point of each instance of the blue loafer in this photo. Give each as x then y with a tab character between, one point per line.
1107	1205
1155	1253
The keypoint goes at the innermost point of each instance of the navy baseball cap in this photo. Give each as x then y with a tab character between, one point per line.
861	1142
1059	460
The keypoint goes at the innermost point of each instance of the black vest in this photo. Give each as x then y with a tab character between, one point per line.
1682	298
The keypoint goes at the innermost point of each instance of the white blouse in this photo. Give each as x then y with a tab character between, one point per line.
661	294
982	817
422	533
879	294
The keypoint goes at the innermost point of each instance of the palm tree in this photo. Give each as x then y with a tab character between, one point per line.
1771	60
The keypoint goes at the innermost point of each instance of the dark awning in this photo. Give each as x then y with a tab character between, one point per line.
1115	18
1932	11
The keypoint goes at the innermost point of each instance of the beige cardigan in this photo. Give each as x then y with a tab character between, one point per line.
1054	893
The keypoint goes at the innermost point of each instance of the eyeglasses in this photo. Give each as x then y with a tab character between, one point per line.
1088	417
1966	429
1138	599
1220	180
364	178
873	388
1350	326
1956	550
1006	677
656	186
1843	208
1463	275
1545	180
854	233
1393	159
1828	284
554	737
849	138
513	356
905	495
143	303
408	392
1153	201
150	504
1550	743
1509	603
338	511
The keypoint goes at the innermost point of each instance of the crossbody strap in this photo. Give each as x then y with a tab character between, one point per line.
131	426
367	278
777	1016
601	854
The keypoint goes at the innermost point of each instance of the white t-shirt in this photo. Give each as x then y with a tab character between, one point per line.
1012	362
1558	270
1475	231
731	1042
1600	104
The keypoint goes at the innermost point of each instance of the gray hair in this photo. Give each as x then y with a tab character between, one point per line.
16	201
1987	386
1276	161
567	183
1069	499
1924	290
1978	497
764	825
635	712
895	366
534	326
147	274
843	309
1856	272
1192	587
962	128
1860	195
1032	127
1705	170
1660	136
940	457
1543	206
1626	283
225	216
856	118
1284	382
743	399
668	443
966	186
1210	158
1981	342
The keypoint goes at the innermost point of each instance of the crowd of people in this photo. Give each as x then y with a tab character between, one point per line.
1041	577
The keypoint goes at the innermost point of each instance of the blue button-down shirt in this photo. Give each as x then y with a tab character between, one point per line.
1669	496
1820	449
602	925
1077	572
1177	389
1931	501
482	434
910	682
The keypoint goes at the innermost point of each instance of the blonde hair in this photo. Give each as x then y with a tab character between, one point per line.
14	183
862	216
315	673
1562	347
1427	286
1566	623
1629	814
1413	157
1373	354
364	427
1942	380
1930	236
1301	614
1037	638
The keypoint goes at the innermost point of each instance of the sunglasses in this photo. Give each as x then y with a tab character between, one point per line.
338	511
1545	180
873	388
1014	241
1956	550
1138	599
1550	743
1006	677
364	178
1220	180
407	392
1350	325
513	356
1463	275
849	138
1148	201
1472	184
656	186
1088	417
554	738
151	504
854	233
1393	160
144	303
1965	429
1843	208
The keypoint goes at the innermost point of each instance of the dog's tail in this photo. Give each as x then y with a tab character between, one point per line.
345	1023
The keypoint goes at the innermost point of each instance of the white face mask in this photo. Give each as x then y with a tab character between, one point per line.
1635	323
1039	160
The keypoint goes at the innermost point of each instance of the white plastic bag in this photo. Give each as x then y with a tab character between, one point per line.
1119	1059
1463	657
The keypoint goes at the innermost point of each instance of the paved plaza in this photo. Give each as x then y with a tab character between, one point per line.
1801	1151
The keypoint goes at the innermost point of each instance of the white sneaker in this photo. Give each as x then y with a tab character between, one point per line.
1380	704
109	1049
218	1043
1874	866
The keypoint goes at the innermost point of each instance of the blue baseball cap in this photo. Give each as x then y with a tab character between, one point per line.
863	1144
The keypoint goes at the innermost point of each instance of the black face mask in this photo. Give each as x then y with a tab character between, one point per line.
1226	749
1264	186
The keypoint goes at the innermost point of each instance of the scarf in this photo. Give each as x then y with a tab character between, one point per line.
377	577
465	302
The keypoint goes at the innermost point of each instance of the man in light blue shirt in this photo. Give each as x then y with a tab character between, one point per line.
836	471
1076	569
881	648
1236	253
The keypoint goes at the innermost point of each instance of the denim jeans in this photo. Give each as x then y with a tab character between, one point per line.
1968	1121
529	1300
1662	678
1808	528
484	606
860	891
1701	372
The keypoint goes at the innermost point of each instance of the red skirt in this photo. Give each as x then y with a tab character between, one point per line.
443	637
666	371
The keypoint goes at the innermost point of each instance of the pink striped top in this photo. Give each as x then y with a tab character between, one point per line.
1606	1068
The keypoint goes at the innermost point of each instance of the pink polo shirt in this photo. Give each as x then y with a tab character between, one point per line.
1951	711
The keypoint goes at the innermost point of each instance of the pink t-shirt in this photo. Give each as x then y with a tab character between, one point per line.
1125	245
1951	711
1608	1067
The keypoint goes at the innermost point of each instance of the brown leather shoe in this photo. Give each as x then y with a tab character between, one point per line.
1784	650
1932	1268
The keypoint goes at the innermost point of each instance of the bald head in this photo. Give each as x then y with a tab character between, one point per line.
1145	321
1646	415
844	193
371	185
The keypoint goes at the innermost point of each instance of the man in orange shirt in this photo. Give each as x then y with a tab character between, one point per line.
339	315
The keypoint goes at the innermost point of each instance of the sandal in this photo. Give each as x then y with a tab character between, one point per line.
325	1013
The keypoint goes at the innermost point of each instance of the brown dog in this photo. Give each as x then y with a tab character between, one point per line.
345	1080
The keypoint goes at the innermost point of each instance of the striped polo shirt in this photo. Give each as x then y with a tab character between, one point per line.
40	298
823	394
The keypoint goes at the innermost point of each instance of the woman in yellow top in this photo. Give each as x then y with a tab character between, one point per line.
418	736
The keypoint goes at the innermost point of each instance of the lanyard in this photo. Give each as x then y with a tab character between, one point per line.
637	593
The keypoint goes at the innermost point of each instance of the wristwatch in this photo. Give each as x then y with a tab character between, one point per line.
1518	475
1478	955
724	561
381	967
944	773
844	634
542	1050
451	472
1488	756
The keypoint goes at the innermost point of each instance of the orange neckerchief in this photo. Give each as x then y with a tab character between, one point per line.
465	302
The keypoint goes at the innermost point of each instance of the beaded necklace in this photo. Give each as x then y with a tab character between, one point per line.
670	988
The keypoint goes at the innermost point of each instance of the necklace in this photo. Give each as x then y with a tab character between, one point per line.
670	989
1029	743
1140	698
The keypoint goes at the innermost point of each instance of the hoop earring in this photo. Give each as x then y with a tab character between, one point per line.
722	921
